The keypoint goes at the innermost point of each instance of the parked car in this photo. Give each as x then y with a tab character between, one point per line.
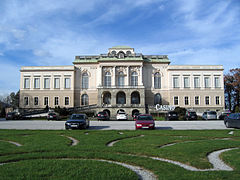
223	115
13	116
103	115
172	115
233	120
121	116
53	116
191	115
209	115
77	121
144	121
135	115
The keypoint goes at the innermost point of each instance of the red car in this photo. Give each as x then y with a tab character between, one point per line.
145	121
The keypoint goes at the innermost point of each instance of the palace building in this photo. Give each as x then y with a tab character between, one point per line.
123	80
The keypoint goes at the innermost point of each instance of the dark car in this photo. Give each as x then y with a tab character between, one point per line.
232	121
53	116
223	115
77	121
191	115
13	116
172	115
135	115
144	121
103	115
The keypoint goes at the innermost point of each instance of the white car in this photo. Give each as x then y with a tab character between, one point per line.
122	116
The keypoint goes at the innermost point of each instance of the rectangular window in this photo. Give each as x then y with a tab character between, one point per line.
207	82
26	101
186	82
217	82
45	101
67	84
46	83
175	100
196	100
66	101
217	100
196	82
56	101
26	83
36	101
56	83
36	83
207	100
186	100
175	82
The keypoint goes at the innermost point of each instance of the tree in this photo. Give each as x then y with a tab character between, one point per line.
232	89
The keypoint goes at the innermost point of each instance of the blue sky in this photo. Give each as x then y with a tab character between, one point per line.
53	32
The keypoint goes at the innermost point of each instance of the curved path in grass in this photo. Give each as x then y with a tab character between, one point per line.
74	141
111	143
12	142
214	159
143	174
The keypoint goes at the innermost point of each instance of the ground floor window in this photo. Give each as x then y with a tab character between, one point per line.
45	101
26	101
135	98
175	100
66	101
196	100
84	101
157	99
56	101
121	98
107	98
207	102
36	101
217	100
186	100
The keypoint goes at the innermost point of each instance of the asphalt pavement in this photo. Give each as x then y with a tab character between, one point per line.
112	125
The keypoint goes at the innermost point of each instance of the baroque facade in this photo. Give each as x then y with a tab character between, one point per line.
123	79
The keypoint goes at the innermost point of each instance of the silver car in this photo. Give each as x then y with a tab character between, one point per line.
209	115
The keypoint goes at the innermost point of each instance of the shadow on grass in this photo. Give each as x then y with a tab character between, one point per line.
163	128
98	127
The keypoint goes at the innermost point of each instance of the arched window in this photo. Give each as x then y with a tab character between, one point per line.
134	79
120	79
157	99
121	98
121	54
106	98
85	101
157	80
114	53
128	53
135	98
85	80
107	79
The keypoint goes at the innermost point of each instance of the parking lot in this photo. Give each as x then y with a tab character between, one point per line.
112	125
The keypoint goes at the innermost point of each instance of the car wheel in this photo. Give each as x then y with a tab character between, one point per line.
227	124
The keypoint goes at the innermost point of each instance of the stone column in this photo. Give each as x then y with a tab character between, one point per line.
127	81
141	78
114	76
100	78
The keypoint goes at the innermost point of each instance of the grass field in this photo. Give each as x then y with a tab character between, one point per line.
52	155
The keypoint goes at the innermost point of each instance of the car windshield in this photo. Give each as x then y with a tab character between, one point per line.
102	113
121	113
212	112
76	116
192	113
51	114
145	118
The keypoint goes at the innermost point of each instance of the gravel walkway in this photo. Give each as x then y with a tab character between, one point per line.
74	141
12	142
111	143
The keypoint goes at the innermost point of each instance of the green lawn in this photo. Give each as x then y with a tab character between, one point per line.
49	154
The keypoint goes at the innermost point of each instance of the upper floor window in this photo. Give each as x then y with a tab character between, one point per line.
67	83
175	82
207	82
46	83
85	80
157	80
196	82
134	79
128	53
84	101
121	55
26	83
186	82
36	83
120	79
57	83
217	82
107	79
